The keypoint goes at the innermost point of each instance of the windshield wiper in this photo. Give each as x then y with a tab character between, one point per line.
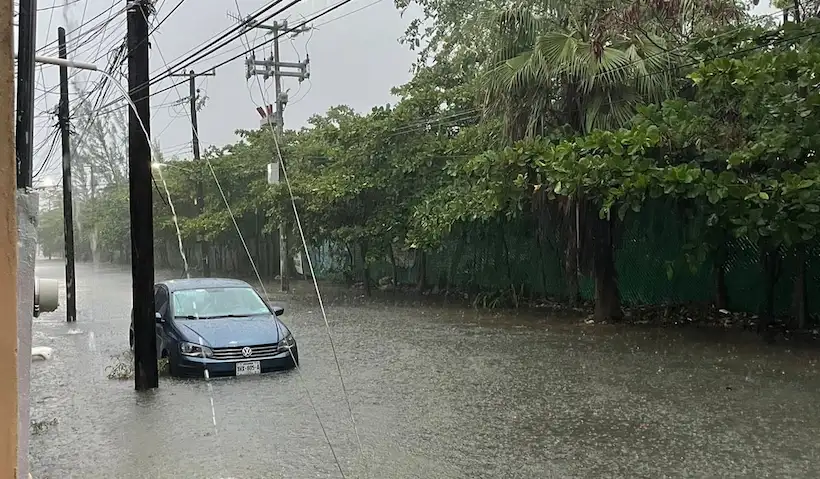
191	316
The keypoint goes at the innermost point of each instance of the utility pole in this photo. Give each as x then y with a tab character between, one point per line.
274	67
141	201
68	213
26	41
10	409
204	249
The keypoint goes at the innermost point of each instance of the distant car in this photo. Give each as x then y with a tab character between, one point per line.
222	325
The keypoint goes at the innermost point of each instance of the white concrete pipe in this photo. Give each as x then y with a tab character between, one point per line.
46	295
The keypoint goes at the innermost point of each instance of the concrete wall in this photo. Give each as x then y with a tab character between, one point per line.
27	206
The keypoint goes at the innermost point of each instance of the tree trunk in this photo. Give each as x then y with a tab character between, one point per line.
365	269
770	265
455	260
571	213
607	296
509	267
421	260
393	265
541	266
800	304
721	292
350	273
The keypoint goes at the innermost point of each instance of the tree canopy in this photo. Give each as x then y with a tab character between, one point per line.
566	120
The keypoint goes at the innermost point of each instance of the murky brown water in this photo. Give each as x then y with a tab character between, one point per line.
436	393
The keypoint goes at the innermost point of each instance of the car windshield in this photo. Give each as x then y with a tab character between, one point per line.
218	303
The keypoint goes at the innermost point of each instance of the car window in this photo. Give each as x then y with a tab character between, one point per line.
218	302
160	300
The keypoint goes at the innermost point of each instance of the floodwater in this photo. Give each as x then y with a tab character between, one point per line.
436	393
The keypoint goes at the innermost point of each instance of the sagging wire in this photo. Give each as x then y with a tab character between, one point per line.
295	363
186	63
173	215
244	244
315	286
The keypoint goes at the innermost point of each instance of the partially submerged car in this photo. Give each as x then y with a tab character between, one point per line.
222	325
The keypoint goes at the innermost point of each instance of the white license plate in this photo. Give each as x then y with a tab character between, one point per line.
250	367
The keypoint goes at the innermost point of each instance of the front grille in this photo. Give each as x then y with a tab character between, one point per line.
258	351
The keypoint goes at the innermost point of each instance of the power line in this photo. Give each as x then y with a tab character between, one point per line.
243	53
53	43
47	159
201	52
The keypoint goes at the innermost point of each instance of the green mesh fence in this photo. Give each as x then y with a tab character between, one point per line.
484	259
498	258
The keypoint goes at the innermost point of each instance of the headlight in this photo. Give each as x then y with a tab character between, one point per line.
288	342
191	349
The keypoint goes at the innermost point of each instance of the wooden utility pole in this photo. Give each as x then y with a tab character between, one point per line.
8	247
273	67
68	209
193	96
141	200
26	42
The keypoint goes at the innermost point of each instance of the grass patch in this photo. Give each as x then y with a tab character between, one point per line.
122	367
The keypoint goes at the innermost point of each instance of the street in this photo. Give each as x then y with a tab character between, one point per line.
436	393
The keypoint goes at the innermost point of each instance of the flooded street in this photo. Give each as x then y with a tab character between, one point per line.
436	393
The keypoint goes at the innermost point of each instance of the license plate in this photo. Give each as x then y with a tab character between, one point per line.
250	367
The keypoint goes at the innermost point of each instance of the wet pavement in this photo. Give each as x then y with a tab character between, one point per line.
436	393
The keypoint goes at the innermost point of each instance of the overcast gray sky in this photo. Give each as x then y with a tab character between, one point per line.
355	59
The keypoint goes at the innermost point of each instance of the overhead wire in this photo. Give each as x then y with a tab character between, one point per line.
275	135
182	249
470	114
250	257
44	167
225	38
169	72
236	225
325	12
348	13
77	53
52	46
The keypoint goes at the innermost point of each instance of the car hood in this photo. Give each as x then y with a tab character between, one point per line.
232	332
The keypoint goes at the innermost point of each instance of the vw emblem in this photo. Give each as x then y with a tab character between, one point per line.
246	351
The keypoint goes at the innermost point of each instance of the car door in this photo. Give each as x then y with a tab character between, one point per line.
161	306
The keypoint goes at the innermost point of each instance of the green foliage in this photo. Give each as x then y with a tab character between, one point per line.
50	232
613	105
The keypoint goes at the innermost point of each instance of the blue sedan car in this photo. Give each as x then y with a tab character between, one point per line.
221	325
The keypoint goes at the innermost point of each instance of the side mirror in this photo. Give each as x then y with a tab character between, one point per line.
278	310
158	317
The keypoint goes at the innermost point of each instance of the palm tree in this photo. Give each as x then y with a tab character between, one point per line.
588	64
585	65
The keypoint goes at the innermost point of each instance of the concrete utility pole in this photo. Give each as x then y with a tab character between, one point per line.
68	210
141	201
274	67
9	413
193	96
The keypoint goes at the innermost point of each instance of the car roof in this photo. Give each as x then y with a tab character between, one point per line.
202	283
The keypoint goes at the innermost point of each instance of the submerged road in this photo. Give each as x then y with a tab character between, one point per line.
436	393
